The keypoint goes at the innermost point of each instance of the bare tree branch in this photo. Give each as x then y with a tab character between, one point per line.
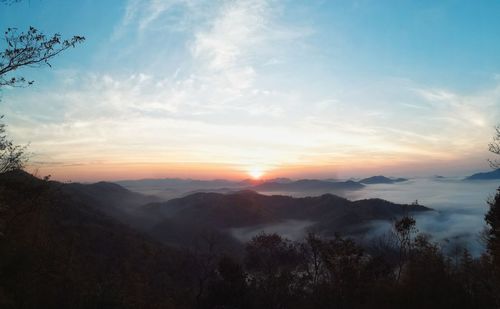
12	157
494	147
30	49
9	2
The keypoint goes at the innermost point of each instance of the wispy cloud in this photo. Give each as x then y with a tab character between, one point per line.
140	15
239	30
227	88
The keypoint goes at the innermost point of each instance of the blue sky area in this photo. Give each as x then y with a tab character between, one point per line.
287	88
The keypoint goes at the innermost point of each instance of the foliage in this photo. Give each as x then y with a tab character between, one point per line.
9	2
12	156
57	250
492	218
30	49
494	147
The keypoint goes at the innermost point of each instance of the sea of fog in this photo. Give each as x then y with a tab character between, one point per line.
460	206
458	218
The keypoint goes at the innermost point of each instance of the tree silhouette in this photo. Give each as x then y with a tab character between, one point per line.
30	49
24	49
272	263
492	218
12	156
405	230
494	147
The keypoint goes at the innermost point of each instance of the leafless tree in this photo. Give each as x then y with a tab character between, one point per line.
494	147
12	156
29	49
404	230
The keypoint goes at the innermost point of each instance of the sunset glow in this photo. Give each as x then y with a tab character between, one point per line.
256	173
212	85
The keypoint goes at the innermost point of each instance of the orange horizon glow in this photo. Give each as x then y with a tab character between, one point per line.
231	95
92	172
256	173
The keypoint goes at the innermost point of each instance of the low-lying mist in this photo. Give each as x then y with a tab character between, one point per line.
290	229
460	207
458	218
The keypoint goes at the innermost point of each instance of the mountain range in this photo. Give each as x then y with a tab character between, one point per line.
328	214
381	180
173	188
118	247
485	176
57	243
178	221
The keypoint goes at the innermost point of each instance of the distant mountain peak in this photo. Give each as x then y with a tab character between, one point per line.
495	174
381	180
307	185
246	192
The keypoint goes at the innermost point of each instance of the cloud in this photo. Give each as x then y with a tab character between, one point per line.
140	118
141	16
240	28
233	85
455	108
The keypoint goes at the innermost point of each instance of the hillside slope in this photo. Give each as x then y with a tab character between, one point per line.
58	251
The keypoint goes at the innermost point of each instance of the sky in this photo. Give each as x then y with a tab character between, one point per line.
227	89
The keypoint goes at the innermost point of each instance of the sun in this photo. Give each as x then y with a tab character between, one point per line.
256	173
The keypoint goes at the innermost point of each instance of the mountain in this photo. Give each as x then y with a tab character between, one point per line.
174	188
59	251
61	245
109	198
222	212
181	221
176	183
280	180
109	194
169	188
485	176
381	180
307	185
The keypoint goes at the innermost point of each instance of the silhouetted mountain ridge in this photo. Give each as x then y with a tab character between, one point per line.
307	185
248	208
381	180
485	176
65	253
170	188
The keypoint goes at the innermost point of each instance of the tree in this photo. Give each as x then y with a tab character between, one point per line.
12	157
24	49
492	218
9	2
229	288
30	49
494	147
273	263
312	250
344	262
405	230
205	257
